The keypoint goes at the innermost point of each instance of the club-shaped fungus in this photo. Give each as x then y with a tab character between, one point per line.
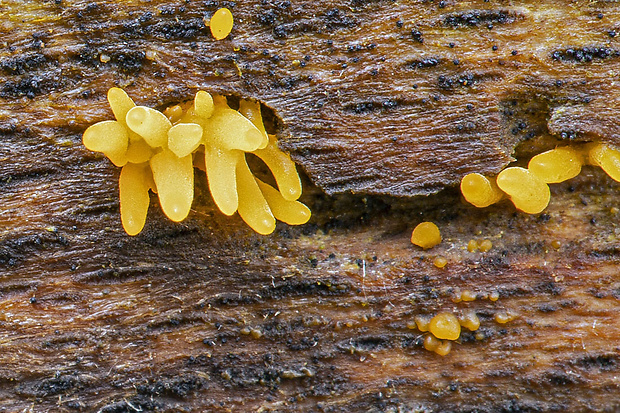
556	165
156	151
527	191
426	235
607	158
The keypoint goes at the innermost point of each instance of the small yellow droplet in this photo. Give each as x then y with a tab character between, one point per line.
556	244
221	23
445	326
479	190
485	245
472	245
426	235
440	262
468	295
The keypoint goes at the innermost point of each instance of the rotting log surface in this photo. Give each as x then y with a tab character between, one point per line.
94	320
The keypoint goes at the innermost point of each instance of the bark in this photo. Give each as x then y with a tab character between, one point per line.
205	315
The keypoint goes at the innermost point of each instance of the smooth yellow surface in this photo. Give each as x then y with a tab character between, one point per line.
221	169
150	124
229	129
479	190
282	168
556	165
470	320
251	110
134	196
445	326
184	138
109	137
291	212
426	235
608	159
139	151
120	103
174	178
528	193
253	207
203	104
221	23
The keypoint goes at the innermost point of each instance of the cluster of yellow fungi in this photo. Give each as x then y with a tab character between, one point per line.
444	328
528	188
158	152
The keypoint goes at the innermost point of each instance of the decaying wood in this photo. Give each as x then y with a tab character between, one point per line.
207	316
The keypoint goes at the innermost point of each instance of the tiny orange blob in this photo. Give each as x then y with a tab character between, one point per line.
426	235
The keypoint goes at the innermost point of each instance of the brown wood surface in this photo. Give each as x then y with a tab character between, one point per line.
205	315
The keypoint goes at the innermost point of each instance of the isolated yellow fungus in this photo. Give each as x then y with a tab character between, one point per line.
528	193
556	165
468	295
426	235
470	320
157	151
607	158
440	262
445	326
472	245
485	245
479	190
221	23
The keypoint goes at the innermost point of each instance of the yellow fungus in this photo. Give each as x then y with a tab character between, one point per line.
228	129
139	151
253	207
502	317
282	168
174	178
528	193
444	348
608	159
468	295
120	103
291	212
431	343
470	320
440	262
221	23
150	124
472	245
479	190
426	235
109	137
203	104
485	245
556	165
494	296
184	138
174	113
423	322
445	326
251	110
134	196
556	244
221	168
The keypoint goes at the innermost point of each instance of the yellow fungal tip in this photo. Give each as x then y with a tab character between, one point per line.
426	235
221	23
556	165
528	193
440	262
445	326
607	158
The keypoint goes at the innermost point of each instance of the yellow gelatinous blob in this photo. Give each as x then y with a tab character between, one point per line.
282	168
503	317
494	296
472	245
556	244
253	207
444	348
445	326
221	168
556	165
150	124
291	212
479	190
120	103
608	159
470	320
423	322
440	262
468	295
203	104
529	193
229	129
139	151
174	178
251	110
426	235
485	245
174	113
184	138
134	196
431	343
109	137
221	23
